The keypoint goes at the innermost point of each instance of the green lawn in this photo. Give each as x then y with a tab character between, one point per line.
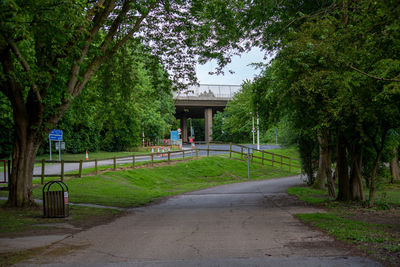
136	187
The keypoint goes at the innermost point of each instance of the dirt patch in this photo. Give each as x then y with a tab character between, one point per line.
389	217
63	226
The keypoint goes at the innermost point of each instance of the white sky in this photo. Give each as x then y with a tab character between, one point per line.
239	65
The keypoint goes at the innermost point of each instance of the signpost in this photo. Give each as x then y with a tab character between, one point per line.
174	135
56	135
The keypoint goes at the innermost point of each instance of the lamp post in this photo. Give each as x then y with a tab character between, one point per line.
252	127
258	133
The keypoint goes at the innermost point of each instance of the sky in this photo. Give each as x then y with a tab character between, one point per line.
239	65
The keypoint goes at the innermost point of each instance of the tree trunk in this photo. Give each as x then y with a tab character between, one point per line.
20	182
331	183
26	144
344	193
324	157
325	164
394	165
356	189
373	177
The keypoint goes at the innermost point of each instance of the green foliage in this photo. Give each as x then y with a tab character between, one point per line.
6	128
128	95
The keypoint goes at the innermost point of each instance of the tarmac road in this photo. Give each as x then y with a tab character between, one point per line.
245	224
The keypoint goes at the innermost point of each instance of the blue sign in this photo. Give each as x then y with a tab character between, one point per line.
174	135
56	135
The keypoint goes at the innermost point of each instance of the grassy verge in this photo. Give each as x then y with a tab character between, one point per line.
374	230
139	186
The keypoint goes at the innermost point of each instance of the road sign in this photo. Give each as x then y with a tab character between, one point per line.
174	135
62	145
56	135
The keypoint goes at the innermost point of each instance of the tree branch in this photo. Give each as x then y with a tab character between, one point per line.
98	22
97	61
372	76
26	67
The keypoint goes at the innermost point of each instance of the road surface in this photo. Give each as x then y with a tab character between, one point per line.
245	224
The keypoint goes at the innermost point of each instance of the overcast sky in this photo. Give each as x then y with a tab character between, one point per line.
239	65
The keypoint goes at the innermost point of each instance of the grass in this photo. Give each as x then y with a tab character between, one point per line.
139	186
358	232
371	229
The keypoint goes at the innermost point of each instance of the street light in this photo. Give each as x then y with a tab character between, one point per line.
252	128
258	133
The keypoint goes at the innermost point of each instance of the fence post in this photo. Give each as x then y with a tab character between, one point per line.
133	161
62	170
152	159
42	178
281	162
169	156
95	166
208	149
9	169
230	150
262	158
183	154
114	163
80	169
273	159
241	153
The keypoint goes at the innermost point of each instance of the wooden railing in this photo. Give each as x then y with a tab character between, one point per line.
242	153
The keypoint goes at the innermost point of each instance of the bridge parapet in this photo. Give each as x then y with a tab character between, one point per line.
209	91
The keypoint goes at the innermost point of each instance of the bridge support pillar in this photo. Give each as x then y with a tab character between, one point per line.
184	129
208	124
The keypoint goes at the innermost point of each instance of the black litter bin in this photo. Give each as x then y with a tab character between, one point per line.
55	203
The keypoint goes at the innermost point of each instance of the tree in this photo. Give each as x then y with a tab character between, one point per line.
338	79
50	50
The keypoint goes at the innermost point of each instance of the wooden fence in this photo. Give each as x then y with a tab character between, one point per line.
262	156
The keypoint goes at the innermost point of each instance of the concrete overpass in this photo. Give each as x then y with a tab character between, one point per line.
202	102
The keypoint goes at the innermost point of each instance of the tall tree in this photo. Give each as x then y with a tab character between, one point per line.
49	51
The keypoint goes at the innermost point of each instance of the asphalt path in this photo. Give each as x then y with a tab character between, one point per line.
55	168
244	224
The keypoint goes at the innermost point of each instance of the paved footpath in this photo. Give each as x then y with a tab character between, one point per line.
245	224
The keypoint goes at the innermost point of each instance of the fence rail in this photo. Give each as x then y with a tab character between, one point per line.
241	152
